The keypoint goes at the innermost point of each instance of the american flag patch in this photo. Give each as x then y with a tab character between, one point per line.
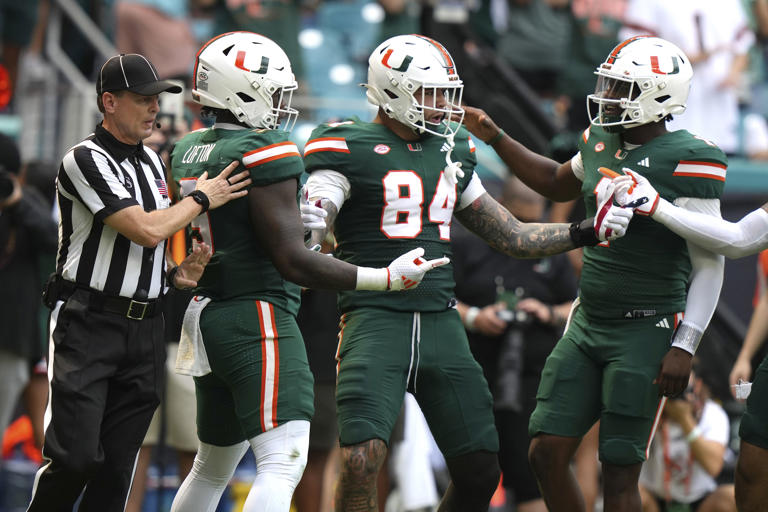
161	188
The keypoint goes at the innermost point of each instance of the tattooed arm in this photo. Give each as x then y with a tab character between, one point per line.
504	232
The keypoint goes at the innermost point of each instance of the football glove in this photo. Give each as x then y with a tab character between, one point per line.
637	194
611	221
405	272
312	216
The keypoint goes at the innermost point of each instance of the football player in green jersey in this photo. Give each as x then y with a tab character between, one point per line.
257	391
388	186
639	294
735	240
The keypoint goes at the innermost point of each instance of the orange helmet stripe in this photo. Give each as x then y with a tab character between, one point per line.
615	53
446	56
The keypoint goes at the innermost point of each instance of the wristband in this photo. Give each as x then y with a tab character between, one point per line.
496	138
170	276
693	434
583	233
201	199
469	318
687	338
372	279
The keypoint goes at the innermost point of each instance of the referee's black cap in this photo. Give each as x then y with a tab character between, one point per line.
132	72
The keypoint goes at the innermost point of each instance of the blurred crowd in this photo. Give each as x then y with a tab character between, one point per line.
530	64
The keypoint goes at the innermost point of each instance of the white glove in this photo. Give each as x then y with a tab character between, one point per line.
637	194
611	221
312	216
405	272
408	270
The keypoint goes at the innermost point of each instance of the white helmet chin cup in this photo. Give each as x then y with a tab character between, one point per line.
249	75
414	80
643	80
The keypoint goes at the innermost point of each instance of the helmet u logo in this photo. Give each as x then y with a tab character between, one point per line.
655	66
403	65
240	60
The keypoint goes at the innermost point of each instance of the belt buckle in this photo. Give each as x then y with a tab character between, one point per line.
137	304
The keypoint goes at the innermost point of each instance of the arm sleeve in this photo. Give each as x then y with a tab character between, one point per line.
329	184
577	165
733	239
474	190
707	270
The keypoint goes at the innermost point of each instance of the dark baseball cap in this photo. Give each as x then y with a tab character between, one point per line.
132	72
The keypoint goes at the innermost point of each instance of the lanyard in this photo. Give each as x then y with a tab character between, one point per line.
669	465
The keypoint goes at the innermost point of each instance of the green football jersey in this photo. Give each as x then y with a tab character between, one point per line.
240	267
648	269
399	200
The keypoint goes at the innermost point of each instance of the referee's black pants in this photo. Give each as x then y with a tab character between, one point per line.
106	376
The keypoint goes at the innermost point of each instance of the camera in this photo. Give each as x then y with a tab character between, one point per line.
515	316
511	298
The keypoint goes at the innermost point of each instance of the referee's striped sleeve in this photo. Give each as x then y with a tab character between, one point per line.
94	180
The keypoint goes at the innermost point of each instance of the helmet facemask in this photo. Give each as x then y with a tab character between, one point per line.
281	116
615	101
434	107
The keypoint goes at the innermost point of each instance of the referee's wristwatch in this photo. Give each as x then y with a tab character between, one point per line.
201	199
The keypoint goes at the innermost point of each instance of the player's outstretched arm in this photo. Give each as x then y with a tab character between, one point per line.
732	239
277	223
504	232
549	178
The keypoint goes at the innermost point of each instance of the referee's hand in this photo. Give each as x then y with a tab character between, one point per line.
224	188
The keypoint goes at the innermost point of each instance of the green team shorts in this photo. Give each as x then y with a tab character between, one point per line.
754	422
383	353
604	369
260	376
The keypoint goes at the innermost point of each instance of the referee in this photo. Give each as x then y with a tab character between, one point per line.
106	351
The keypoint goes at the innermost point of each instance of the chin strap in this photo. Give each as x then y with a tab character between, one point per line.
452	169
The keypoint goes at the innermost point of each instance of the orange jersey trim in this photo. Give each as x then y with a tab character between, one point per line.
693	169
269	153
334	144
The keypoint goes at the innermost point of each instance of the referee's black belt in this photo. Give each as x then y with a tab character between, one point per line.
123	306
130	308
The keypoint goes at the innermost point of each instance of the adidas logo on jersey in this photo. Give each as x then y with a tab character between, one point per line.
446	147
664	324
645	162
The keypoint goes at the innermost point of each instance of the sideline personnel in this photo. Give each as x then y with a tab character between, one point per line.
106	350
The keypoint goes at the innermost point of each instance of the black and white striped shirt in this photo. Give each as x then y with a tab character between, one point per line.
97	178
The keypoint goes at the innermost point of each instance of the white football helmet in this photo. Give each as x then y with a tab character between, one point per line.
249	75
410	75
643	80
